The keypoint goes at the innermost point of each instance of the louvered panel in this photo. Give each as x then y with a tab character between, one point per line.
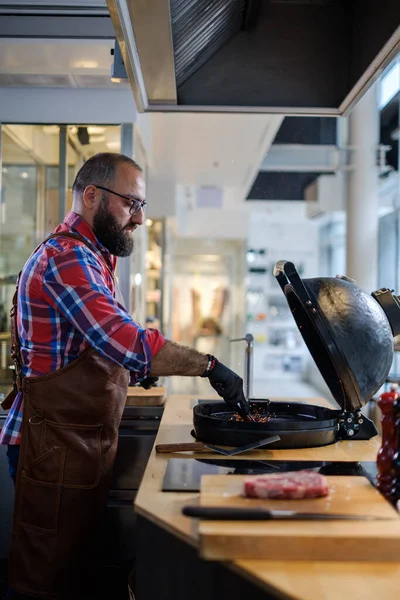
199	29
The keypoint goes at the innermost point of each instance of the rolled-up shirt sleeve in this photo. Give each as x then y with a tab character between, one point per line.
75	286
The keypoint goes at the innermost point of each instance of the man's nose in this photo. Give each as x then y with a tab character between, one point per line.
138	218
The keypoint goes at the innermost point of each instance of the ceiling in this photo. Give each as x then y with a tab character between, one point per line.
39	144
222	150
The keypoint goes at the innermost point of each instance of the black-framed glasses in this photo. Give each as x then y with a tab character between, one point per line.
136	204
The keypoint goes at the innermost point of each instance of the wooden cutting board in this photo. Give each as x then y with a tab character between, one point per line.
139	396
301	540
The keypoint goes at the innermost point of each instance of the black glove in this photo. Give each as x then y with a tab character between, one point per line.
227	384
149	382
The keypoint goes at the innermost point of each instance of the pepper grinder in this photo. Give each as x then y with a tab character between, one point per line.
249	339
386	479
396	458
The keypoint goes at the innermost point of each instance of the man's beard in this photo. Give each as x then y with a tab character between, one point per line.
110	233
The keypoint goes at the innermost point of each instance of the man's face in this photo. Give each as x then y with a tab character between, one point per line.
113	225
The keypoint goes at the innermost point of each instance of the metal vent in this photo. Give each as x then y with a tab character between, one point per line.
199	29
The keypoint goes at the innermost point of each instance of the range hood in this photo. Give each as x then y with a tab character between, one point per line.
312	57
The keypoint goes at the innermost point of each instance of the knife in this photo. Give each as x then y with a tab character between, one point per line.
200	447
233	513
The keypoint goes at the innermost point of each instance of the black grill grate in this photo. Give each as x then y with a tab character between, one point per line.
199	29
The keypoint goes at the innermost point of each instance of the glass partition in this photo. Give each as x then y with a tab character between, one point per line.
21	172
29	206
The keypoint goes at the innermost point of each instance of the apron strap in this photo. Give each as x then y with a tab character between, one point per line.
15	343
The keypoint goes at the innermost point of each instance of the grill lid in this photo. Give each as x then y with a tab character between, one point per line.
346	331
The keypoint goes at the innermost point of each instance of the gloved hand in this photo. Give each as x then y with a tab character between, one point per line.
228	385
149	382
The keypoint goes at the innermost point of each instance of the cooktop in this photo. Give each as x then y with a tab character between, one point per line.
184	474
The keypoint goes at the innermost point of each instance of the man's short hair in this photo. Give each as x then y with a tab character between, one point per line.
101	169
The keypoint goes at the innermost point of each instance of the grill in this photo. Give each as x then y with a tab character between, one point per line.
349	334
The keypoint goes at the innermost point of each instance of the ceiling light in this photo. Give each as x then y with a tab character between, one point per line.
149	222
51	129
138	279
113	145
395	135
24	175
96	130
97	139
85	64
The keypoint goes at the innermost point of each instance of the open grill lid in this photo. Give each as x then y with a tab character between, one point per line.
346	331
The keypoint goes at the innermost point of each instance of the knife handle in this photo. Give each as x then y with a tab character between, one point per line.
194	446
227	513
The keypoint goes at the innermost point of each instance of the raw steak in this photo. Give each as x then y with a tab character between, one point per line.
294	484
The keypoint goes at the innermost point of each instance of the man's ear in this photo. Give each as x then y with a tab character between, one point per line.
89	197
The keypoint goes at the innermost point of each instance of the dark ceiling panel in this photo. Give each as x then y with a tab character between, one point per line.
307	130
372	24
281	186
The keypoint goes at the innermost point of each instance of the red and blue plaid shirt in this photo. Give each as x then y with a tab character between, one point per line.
66	303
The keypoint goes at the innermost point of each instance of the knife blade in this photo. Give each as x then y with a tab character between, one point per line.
200	447
234	513
252	446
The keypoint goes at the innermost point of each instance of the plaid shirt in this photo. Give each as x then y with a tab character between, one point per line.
66	303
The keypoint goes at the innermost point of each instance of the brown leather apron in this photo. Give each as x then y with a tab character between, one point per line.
68	446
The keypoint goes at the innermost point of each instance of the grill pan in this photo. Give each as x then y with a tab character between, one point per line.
298	425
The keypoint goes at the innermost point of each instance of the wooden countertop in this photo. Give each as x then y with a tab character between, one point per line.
297	580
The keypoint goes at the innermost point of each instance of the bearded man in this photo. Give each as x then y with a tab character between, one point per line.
75	349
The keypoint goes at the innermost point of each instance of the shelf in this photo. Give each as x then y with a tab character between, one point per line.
281	374
277	350
282	324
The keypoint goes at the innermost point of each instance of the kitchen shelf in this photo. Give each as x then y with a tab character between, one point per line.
279	374
281	324
279	350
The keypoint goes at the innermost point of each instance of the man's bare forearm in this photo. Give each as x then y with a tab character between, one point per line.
174	359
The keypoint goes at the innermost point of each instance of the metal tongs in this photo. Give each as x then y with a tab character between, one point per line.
243	405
